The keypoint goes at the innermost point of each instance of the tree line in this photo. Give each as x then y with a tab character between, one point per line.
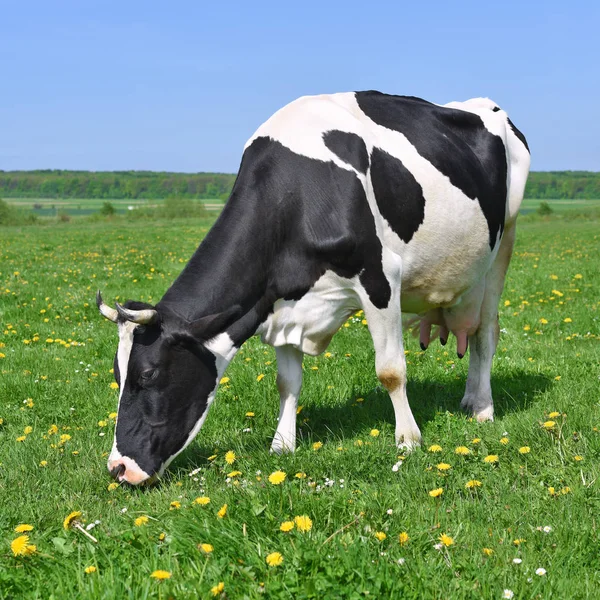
160	185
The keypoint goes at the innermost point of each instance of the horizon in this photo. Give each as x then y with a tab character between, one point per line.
137	87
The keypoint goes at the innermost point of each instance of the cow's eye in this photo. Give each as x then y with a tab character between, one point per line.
148	375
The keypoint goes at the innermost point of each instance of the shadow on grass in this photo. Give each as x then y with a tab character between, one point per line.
427	398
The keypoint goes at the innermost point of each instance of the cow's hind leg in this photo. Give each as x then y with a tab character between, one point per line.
385	326
289	383
482	344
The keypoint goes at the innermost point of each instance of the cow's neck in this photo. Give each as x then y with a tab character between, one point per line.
229	268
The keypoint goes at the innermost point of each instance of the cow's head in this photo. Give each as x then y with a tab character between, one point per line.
167	378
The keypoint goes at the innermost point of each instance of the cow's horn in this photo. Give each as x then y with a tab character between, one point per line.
106	311
144	316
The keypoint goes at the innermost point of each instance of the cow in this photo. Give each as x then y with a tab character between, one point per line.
342	202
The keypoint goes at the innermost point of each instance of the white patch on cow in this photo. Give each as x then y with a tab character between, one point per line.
126	329
309	324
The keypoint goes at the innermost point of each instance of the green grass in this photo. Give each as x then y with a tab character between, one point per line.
560	206
48	277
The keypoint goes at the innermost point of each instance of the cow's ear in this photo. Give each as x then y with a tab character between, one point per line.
209	326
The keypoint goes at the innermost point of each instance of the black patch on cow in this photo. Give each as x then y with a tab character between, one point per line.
518	134
455	141
349	147
289	219
398	194
496	109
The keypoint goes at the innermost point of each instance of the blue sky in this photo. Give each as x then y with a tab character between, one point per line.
180	86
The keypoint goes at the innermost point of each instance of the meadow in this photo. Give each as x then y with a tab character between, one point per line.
494	510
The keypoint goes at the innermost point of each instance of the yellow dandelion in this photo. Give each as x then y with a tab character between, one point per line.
567	320
380	535
551	491
224	380
286	526
565	490
446	540
473	483
217	589
53	430
462	451
230	457
260	377
300	475
435	448
474	441
23	528
175	505
491	458
374	433
70	518
543	321
554	414
403	538
303	523
90	569
222	511
21	438
141	521
65	437
21	547
211	457
437	492
443	467
206	548
519	541
112	415
504	441
160	575
43	463
114	385
578	458
28	430
202	500
524	450
317	445
548	424
162	536
274	559
488	551
112	486
249	414
277	477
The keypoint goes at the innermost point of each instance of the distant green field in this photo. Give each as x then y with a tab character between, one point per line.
79	207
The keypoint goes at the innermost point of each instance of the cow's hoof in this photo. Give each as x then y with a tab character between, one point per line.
482	409
409	441
279	447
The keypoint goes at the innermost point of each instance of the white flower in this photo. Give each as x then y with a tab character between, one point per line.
397	466
547	529
438	546
389	511
541	571
517	561
401	561
124	510
508	594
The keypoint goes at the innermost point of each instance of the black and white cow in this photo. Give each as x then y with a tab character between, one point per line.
342	202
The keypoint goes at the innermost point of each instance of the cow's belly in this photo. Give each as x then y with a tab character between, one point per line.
309	323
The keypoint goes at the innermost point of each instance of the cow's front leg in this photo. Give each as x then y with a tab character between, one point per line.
289	383
385	326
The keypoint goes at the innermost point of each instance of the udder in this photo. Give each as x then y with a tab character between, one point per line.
462	320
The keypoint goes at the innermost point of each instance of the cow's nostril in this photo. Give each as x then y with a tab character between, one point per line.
117	471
